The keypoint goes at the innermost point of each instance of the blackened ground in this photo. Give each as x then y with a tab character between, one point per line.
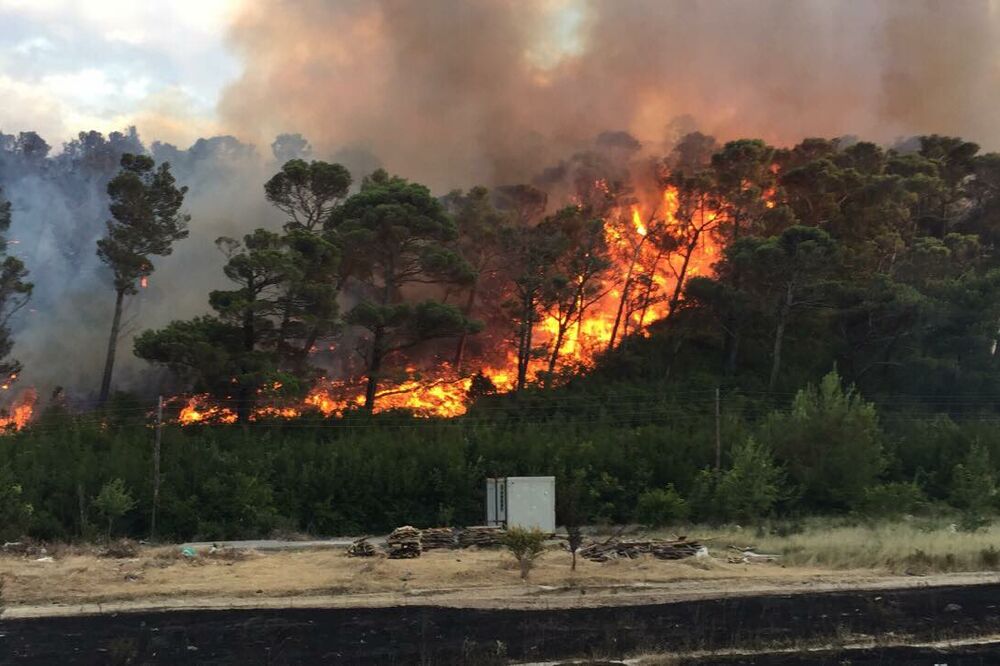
987	654
438	635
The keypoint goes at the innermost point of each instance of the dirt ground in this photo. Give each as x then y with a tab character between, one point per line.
160	578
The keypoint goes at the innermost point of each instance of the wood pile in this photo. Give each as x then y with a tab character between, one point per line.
481	536
663	549
403	543
437	537
361	548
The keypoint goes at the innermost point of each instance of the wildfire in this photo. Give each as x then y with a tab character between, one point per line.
645	270
199	409
19	413
640	228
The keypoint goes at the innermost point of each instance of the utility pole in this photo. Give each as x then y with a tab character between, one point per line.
156	467
718	432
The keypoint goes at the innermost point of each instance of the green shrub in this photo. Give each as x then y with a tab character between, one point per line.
660	507
891	500
751	487
830	443
973	488
526	546
113	502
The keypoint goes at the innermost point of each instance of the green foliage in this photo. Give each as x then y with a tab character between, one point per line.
881	263
113	502
308	192
145	207
973	488
660	507
15	292
526	546
892	500
749	490
397	234
15	513
830	442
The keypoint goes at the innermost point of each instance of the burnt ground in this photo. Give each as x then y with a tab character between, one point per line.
441	635
987	654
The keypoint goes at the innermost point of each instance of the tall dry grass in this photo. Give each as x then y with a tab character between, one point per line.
906	546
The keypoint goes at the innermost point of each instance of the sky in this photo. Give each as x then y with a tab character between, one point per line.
496	86
70	65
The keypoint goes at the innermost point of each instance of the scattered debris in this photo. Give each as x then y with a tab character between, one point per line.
361	548
613	548
438	537
121	549
403	543
189	552
24	549
481	536
748	556
47	558
227	553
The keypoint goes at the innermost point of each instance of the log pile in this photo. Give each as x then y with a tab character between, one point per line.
663	549
361	548
481	536
437	537
403	543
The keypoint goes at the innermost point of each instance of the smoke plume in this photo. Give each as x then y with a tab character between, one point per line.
456	92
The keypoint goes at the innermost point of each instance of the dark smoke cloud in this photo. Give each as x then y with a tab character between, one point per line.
454	92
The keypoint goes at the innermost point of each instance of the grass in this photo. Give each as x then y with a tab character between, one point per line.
814	551
912	546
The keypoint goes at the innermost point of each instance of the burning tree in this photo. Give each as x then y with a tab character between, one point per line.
145	207
578	279
481	228
236	351
400	236
14	294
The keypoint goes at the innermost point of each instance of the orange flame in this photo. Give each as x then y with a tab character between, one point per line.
20	412
644	272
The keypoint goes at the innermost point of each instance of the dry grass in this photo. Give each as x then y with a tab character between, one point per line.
821	554
912	546
162	573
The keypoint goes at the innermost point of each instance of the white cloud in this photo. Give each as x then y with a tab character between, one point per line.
96	63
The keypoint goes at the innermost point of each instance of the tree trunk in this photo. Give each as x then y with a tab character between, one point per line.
732	346
675	299
524	341
245	394
460	349
648	296
624	298
554	356
779	336
109	361
374	367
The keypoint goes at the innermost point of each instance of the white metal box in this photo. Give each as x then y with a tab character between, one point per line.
522	501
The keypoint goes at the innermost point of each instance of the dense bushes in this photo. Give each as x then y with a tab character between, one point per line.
370	474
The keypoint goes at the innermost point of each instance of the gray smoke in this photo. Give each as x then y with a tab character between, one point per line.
457	93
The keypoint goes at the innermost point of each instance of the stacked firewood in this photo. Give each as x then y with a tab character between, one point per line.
664	549
677	549
361	548
481	536
438	537
403	543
